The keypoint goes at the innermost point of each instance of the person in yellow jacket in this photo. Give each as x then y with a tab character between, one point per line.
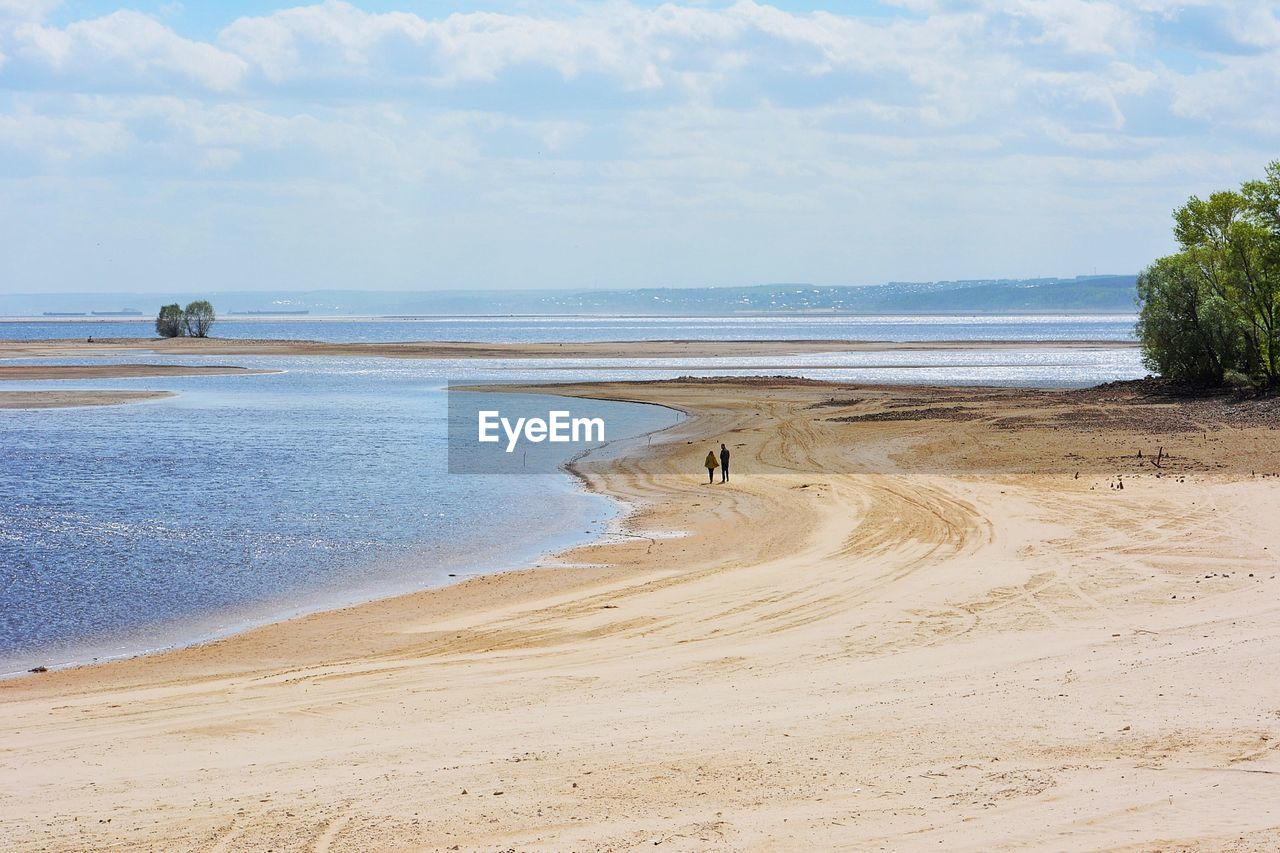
712	465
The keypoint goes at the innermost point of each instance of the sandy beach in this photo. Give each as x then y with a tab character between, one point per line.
916	618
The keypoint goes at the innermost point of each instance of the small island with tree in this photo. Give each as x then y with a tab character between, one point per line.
194	321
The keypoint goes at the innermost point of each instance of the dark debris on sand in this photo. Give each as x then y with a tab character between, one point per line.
1142	405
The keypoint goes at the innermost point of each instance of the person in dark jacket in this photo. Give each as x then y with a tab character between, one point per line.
724	464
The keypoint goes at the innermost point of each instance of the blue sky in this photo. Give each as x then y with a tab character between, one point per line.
419	145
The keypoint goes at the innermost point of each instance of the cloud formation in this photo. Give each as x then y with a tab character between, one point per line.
672	143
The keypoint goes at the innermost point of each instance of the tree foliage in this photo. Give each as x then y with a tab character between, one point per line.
194	320
1213	309
169	321
197	317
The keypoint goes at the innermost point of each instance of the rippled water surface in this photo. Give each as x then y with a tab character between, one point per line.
250	497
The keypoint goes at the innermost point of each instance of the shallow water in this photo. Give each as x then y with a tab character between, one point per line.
247	498
1044	327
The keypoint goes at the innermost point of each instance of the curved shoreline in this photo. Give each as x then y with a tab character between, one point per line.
877	629
527	559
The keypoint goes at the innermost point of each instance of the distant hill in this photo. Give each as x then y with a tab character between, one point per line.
1105	293
1094	293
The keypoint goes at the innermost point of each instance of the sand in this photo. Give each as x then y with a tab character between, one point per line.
463	349
75	399
19	372
914	619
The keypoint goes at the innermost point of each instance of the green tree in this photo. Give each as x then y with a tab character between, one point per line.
1184	327
197	317
1262	200
1213	309
169	322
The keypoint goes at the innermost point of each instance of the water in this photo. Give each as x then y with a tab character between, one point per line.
1045	327
249	498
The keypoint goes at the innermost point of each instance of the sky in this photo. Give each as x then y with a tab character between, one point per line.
421	144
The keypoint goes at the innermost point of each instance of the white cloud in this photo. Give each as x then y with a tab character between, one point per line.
218	159
1254	24
26	10
966	61
562	118
127	44
333	36
1082	26
59	139
336	39
1015	67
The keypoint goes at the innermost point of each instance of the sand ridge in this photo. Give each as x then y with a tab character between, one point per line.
31	372
911	633
75	399
103	397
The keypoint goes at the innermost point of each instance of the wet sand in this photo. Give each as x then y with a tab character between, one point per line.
915	618
72	399
29	372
